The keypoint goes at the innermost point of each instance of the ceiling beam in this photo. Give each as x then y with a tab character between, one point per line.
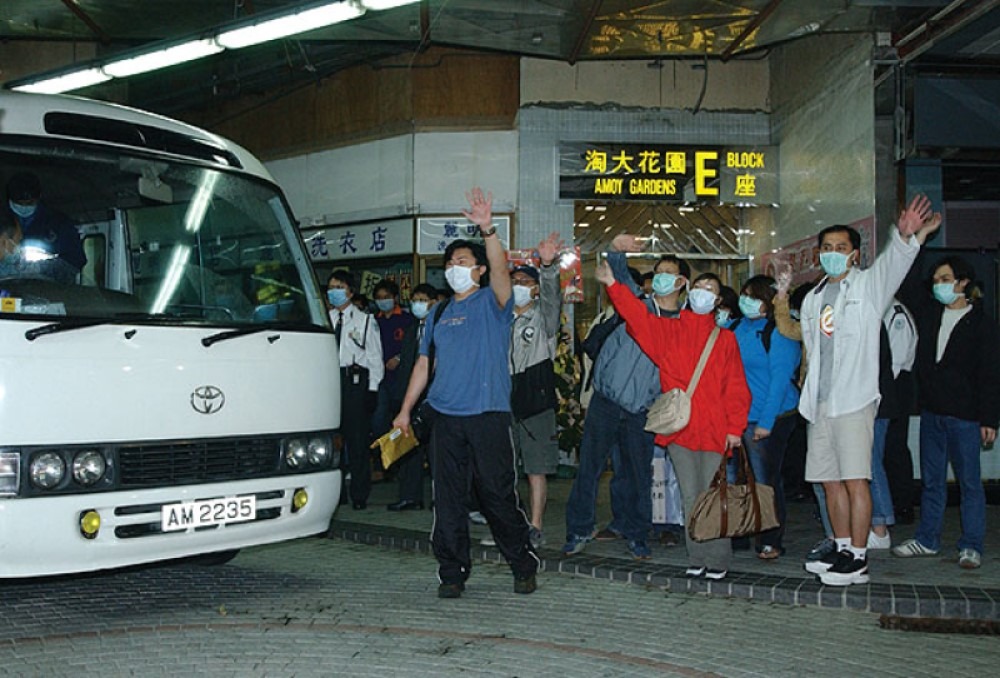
754	24
584	31
90	23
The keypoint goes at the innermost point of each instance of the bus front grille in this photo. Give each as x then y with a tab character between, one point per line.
200	461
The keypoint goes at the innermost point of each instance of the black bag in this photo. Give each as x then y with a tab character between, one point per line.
534	390
598	334
422	421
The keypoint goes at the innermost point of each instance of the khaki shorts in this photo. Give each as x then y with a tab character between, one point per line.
536	444
840	448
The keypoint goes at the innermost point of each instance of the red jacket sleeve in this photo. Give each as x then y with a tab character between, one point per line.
646	328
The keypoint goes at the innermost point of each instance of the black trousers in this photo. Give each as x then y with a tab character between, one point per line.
355	425
410	474
476	451
899	464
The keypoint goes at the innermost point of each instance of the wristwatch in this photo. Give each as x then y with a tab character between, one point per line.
492	230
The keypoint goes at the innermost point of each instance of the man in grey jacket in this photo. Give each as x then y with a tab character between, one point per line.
537	307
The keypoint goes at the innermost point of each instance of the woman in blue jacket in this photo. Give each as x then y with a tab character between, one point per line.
770	361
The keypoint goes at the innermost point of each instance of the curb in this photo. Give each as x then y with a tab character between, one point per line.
901	600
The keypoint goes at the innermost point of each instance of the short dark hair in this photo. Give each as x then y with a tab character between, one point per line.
852	233
24	186
797	296
682	266
729	299
708	275
962	270
388	285
425	288
762	287
344	277
478	251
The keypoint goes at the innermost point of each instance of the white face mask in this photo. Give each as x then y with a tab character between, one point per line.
460	278
420	309
522	295
701	301
23	211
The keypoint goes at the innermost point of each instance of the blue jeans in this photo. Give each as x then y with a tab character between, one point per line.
944	439
606	426
882	508
766	457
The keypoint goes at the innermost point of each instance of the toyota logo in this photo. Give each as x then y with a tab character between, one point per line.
207	399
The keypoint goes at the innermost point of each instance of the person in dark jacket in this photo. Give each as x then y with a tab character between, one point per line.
49	233
958	374
409	469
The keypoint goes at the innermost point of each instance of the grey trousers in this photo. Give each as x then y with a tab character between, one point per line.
695	471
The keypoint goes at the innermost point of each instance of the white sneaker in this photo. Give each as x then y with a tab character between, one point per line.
877	542
477	517
969	559
912	547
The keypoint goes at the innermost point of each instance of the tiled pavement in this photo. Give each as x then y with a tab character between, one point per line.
915	587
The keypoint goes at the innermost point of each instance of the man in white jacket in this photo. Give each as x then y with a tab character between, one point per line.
841	323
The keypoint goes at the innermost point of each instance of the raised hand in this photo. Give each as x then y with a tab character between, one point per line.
783	278
625	242
918	218
604	274
548	249
480	210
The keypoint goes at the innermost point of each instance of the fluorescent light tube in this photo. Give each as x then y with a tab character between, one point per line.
170	56
377	5
67	82
282	27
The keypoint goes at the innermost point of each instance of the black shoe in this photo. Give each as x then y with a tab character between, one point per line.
824	564
406	505
846	571
450	590
360	505
526	585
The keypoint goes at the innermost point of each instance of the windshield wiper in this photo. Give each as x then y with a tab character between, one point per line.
232	334
62	326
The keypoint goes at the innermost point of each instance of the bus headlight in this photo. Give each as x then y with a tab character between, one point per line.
319	451
47	470
10	472
88	467
295	453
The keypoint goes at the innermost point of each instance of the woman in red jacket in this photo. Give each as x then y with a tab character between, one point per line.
719	406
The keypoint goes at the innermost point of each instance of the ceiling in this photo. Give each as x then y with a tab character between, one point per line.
565	30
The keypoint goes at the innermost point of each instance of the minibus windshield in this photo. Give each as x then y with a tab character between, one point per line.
98	234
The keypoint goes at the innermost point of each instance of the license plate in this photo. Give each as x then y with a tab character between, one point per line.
193	514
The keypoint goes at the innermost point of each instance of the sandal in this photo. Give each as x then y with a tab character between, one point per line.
768	553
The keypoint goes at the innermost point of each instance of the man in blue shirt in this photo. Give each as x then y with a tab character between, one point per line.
471	444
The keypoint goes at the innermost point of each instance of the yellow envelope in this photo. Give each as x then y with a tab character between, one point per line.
394	445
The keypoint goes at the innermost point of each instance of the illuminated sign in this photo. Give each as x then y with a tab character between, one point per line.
434	234
681	174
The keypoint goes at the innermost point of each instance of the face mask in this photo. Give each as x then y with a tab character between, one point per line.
522	295
945	293
664	284
750	307
701	301
420	309
460	278
337	296
834	263
722	317
385	305
23	211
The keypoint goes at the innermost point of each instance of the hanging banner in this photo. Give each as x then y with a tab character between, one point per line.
360	241
712	175
803	255
570	270
435	234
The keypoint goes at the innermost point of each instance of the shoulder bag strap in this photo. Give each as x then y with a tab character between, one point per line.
696	377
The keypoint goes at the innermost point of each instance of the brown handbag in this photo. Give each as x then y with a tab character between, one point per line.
733	509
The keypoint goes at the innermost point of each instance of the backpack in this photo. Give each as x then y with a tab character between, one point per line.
599	334
764	334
